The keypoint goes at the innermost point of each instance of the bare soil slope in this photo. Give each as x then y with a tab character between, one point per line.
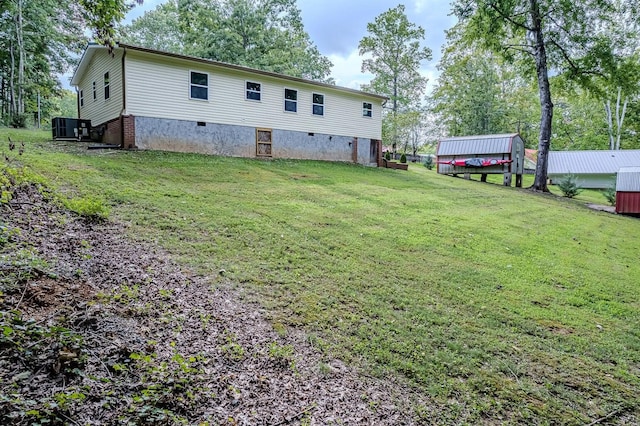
96	329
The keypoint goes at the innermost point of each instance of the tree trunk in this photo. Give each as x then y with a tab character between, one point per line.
21	57
394	143
546	106
607	110
12	82
620	116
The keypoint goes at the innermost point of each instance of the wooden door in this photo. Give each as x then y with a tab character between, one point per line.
263	142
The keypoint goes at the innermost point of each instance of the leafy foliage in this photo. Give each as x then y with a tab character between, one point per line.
396	55
394	46
563	35
34	50
428	162
89	207
610	194
403	158
569	186
264	34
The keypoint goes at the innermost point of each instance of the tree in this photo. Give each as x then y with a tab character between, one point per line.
102	16
618	78
157	29
34	49
264	34
551	33
396	54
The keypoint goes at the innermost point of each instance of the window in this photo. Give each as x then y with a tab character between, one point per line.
199	87
367	109
107	92
253	91
318	104
81	98
94	91
290	100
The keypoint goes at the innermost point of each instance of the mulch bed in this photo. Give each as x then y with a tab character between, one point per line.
96	329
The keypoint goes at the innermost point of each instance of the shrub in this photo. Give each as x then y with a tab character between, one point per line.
610	194
387	156
569	186
19	121
403	158
428	162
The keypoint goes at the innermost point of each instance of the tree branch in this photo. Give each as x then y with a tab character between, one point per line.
507	17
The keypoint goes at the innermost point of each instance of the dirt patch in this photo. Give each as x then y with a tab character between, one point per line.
101	330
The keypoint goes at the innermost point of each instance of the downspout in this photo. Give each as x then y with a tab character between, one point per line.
124	101
78	102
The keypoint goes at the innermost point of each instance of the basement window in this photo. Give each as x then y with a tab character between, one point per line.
318	104
253	91
201	124
290	100
107	91
367	109
199	86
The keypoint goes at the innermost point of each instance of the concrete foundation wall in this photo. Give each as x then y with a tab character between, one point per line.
240	141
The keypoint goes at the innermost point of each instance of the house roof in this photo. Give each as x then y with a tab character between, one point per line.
92	48
483	144
628	179
591	162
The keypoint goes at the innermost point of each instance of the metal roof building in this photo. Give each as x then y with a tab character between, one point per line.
482	154
628	190
594	169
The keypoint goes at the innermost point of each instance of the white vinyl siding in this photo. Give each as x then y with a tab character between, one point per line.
163	96
100	110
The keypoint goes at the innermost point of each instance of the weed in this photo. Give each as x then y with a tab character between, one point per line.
232	349
282	354
91	208
610	194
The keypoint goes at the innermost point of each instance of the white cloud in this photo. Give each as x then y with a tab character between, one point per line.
346	70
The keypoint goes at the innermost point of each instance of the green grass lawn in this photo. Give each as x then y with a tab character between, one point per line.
499	304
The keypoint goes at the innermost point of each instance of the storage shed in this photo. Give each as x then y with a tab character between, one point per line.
593	169
484	155
628	191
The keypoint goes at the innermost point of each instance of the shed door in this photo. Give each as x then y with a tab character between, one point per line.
263	142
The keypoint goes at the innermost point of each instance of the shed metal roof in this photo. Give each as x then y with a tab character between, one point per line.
592	162
484	144
628	179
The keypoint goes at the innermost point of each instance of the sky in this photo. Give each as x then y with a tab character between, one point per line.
336	27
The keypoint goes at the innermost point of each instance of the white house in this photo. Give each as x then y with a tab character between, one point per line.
593	169
148	99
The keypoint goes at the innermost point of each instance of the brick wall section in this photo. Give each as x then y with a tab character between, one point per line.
129	133
112	134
